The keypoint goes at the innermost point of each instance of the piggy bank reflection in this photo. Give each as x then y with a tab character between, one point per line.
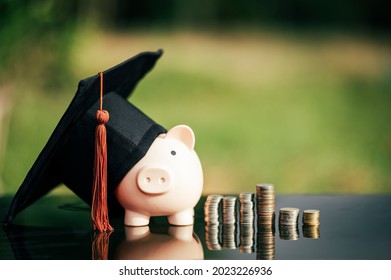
178	243
167	181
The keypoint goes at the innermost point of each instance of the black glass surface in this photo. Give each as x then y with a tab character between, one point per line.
58	227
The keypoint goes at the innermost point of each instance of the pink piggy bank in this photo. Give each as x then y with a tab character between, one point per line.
167	181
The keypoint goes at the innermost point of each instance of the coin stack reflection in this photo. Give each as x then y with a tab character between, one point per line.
229	236
266	243
311	223
265	204
246	211
211	217
246	238
289	232
288	223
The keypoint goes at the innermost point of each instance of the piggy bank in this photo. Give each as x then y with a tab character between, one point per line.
179	243
167	181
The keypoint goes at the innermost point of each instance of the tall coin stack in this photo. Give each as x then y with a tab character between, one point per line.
246	211
229	222
265	204
211	217
311	223
288	223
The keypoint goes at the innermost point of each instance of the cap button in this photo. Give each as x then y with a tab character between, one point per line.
102	116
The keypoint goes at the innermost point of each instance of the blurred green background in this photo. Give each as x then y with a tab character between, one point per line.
296	93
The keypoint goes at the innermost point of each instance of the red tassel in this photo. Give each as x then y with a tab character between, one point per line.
99	211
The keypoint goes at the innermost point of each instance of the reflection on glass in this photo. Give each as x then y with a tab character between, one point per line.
100	245
229	236
246	244
311	231
212	236
266	242
179	242
289	232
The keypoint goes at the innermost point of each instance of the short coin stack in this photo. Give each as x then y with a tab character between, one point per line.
311	223
288	221
265	204
246	208
311	217
229	213
289	216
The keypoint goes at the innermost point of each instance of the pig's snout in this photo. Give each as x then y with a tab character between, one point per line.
154	180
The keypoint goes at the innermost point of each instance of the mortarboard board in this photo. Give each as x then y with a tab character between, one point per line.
68	156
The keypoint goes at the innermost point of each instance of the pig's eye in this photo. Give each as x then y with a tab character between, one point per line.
173	152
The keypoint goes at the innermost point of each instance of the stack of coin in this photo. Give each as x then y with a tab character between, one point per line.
289	216
229	213
311	217
311	223
246	238
289	232
266	243
211	208
246	209
212	237
229	236
265	204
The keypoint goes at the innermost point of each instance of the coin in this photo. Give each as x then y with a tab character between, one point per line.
289	216
311	217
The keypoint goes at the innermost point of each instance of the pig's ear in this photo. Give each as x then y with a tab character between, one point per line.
184	134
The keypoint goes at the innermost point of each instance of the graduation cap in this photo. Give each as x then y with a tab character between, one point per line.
68	156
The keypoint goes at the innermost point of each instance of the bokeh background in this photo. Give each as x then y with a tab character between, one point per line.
296	93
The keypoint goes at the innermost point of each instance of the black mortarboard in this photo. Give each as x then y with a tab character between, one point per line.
68	156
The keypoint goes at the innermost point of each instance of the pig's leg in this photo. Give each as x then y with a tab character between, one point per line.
135	219
182	218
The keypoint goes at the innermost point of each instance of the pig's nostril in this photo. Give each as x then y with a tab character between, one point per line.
162	180
147	180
